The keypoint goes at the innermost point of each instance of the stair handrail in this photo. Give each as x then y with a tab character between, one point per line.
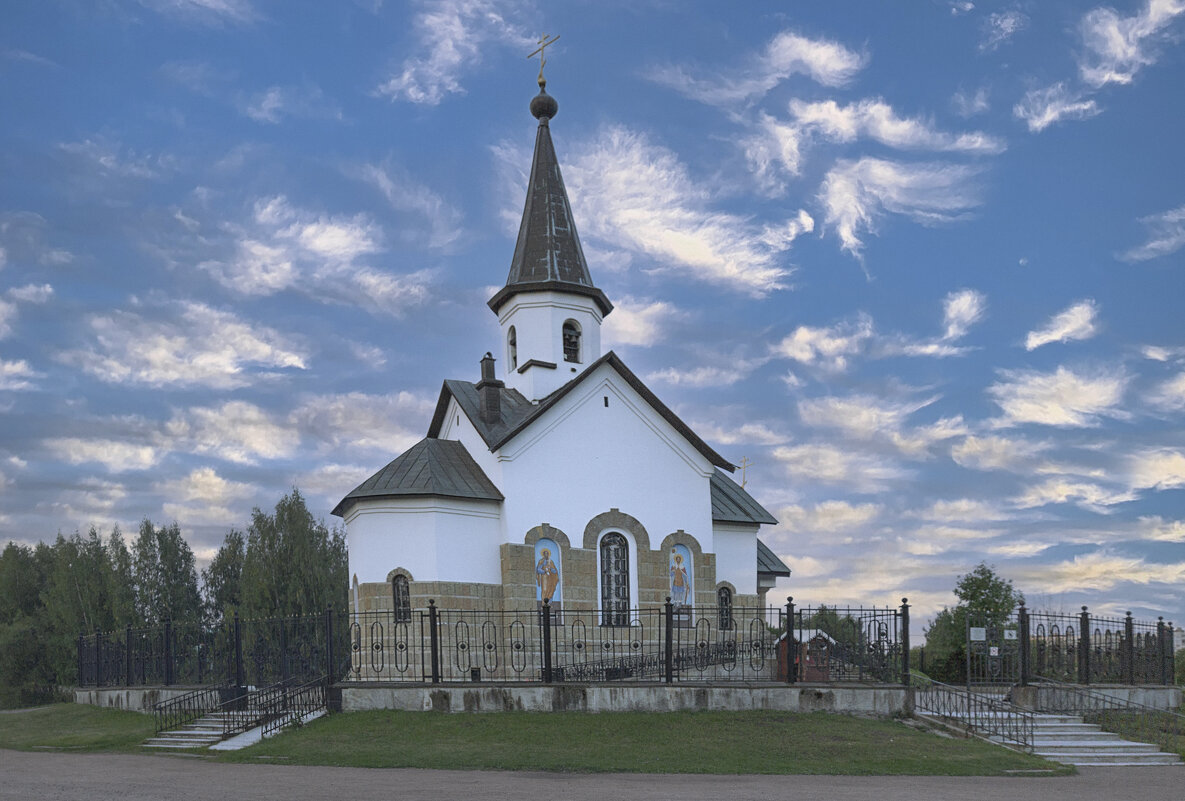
186	708
250	709
978	713
1163	727
300	701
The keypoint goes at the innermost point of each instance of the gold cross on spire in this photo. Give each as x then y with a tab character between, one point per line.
544	42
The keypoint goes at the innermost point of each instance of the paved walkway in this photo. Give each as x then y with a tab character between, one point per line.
85	777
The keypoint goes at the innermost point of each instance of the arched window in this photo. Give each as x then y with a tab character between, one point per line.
724	607
615	580
512	348
401	591
571	342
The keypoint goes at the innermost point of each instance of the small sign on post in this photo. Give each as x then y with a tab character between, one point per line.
978	634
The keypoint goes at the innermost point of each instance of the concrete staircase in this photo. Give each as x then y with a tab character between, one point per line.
201	733
1066	739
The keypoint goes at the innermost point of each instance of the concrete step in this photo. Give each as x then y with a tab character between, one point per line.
1116	746
1111	759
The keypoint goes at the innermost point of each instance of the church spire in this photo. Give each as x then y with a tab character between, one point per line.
547	255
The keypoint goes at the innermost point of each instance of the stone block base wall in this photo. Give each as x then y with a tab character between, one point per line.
134	699
1166	698
847	699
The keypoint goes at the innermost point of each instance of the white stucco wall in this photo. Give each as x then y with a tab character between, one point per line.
538	319
736	555
583	458
436	539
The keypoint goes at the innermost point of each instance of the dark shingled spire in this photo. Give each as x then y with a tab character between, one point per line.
547	256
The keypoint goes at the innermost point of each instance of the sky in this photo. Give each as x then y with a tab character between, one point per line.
920	263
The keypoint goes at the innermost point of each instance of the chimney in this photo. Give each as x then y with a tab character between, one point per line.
489	391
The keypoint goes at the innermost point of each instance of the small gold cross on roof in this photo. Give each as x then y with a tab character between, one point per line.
544	42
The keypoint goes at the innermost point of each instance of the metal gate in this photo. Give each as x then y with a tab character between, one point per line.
993	651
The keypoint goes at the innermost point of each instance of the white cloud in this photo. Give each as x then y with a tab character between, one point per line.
1167	235
1158	353
1117	47
1154	527
15	375
970	105
995	453
452	35
1075	323
856	194
824	61
635	195
206	11
1040	108
1000	26
876	119
31	293
199	346
828	516
203	497
1090	496
702	376
1157	468
1062	398
1170	395
237	431
746	434
1098	570
960	311
638	321
828	348
963	510
107	159
116	456
277	102
388	424
829	464
442	220
864	417
772	148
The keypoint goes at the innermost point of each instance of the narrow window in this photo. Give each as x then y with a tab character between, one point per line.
571	342
402	595
512	348
615	580
724	606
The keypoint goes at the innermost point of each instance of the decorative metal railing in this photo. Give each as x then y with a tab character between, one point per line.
1114	712
254	707
296	704
568	644
986	715
188	707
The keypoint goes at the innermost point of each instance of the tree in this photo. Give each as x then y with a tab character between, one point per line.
222	580
164	576
293	564
984	597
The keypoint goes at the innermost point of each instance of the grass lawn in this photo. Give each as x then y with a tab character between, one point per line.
74	727
677	742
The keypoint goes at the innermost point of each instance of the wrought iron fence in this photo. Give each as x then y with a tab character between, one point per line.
665	644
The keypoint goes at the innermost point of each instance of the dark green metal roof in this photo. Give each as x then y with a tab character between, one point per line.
768	561
731	504
547	255
431	467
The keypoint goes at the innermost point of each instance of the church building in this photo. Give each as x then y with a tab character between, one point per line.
563	477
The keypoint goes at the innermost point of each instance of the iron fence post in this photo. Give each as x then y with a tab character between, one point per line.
1025	645
285	666
1162	652
98	658
1171	658
1129	650
81	645
127	656
546	641
434	640
330	659
669	638
240	679
1084	647
168	651
791	648
905	641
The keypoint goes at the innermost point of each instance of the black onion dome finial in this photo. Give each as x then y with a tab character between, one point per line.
543	105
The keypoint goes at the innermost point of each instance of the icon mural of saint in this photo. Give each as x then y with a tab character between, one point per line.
680	581
547	575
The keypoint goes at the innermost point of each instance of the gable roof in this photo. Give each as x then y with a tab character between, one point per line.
431	467
731	504
547	254
769	563
517	413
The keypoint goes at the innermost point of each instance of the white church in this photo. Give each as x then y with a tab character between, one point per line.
563	479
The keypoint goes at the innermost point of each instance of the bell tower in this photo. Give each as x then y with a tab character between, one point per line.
549	311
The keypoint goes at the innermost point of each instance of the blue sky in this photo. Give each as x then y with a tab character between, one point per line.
921	263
